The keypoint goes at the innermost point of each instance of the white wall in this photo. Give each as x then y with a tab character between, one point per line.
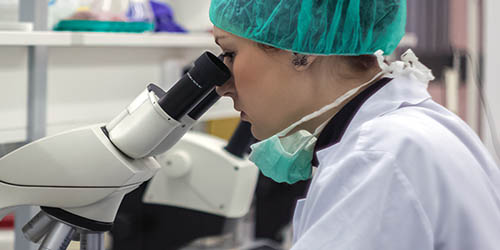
492	68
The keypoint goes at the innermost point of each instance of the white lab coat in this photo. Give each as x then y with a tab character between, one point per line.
407	175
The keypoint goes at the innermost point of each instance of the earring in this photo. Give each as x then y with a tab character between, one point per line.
299	60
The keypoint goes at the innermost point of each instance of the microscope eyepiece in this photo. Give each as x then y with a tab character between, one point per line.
208	71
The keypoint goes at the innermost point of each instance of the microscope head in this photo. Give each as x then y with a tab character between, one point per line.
144	127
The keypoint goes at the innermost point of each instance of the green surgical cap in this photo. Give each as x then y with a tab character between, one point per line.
322	27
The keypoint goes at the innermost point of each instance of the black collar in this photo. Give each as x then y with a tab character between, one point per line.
336	127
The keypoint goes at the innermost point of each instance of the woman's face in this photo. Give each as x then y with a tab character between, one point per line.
265	87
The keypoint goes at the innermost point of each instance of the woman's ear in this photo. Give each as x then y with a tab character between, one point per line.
302	62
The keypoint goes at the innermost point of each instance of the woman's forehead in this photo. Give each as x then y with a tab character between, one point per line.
221	33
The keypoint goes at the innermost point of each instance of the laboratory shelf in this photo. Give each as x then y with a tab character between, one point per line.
91	39
21	38
193	40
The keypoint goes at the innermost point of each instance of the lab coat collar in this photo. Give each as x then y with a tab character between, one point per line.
380	98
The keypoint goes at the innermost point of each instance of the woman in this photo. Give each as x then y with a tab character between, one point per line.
395	170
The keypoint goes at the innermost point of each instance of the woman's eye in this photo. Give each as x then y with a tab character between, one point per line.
229	56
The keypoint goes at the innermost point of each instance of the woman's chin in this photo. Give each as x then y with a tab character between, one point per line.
258	133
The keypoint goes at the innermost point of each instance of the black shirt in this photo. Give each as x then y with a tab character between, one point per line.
336	127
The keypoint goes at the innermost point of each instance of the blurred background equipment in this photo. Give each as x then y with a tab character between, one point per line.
104	16
164	17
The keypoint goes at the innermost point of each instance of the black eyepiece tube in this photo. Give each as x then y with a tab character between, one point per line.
204	105
241	140
207	72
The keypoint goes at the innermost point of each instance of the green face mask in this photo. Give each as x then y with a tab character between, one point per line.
287	158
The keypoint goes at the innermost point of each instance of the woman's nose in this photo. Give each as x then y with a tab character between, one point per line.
226	89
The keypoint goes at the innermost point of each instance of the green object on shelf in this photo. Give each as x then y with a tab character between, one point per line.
103	26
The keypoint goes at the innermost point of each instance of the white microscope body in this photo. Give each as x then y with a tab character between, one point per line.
78	171
201	173
80	177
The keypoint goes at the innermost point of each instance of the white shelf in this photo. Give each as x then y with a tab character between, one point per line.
20	38
144	40
50	38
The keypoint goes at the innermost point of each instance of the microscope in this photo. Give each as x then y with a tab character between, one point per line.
80	177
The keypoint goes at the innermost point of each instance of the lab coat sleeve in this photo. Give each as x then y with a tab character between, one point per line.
364	201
